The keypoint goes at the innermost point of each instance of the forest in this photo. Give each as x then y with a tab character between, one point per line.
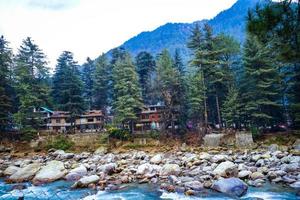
253	86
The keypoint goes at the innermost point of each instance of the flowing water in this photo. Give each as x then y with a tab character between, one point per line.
60	190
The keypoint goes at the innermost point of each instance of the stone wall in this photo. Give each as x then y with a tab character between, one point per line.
238	139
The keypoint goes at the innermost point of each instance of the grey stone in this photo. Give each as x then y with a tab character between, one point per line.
231	186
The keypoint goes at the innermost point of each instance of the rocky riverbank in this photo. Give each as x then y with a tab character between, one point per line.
188	172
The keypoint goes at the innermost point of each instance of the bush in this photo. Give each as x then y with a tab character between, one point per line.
154	134
118	133
103	139
60	142
28	134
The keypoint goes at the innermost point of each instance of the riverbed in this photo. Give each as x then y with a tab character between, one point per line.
61	190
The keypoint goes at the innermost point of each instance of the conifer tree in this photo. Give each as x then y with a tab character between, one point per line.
67	88
87	78
145	68
127	100
5	84
231	108
101	79
31	83
261	84
167	84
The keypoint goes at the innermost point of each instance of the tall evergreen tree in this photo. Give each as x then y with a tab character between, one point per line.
67	86
261	84
278	25
5	84
127	100
87	78
31	76
167	84
231	108
101	79
145	68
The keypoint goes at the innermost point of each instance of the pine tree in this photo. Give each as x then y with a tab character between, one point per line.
231	108
87	78
5	84
145	67
196	97
31	82
261	84
127	93
67	88
101	79
167	84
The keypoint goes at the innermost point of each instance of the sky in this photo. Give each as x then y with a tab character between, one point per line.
92	27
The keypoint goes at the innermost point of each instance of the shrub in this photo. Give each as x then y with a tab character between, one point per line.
103	139
28	134
154	134
60	142
117	133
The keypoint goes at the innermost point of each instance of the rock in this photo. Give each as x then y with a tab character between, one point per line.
194	185
173	179
273	148
255	158
108	168
243	140
85	181
296	185
101	150
296	145
219	158
231	186
144	169
10	170
53	171
204	156
257	175
244	174
170	169
260	163
290	167
213	140
76	174
25	173
189	193
226	169
157	159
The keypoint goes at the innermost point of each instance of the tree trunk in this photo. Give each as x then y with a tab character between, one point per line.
218	110
205	105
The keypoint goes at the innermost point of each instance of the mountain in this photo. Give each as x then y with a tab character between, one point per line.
175	35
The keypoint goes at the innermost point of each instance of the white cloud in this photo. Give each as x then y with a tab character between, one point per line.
90	27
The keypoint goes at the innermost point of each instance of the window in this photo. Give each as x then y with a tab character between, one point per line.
98	118
57	121
90	119
152	108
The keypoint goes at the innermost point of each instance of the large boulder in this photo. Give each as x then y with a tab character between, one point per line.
145	168
226	169
108	168
170	169
157	159
26	173
10	170
53	171
101	150
231	186
85	181
243	140
213	140
76	173
194	185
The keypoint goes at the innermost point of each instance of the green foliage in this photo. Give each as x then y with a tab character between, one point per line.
101	86
28	133
145	65
117	133
103	138
88	82
60	142
31	83
5	84
231	108
154	134
260	85
127	94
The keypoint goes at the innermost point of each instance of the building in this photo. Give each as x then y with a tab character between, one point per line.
60	121
150	118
